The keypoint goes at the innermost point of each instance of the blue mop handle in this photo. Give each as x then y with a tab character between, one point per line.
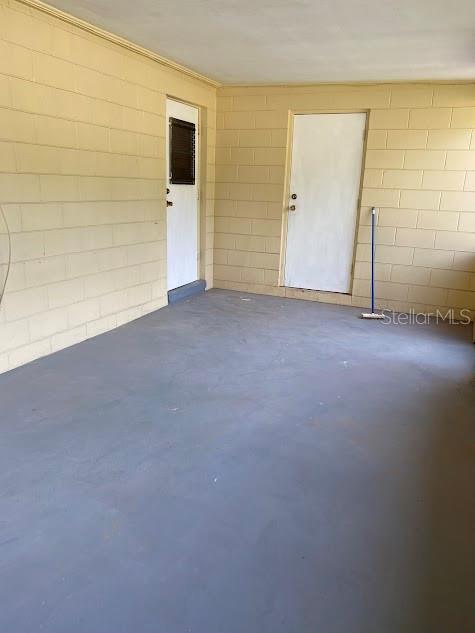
373	223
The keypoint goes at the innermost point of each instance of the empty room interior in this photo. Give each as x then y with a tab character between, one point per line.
237	301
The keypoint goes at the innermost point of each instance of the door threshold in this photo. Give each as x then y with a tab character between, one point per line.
186	291
328	292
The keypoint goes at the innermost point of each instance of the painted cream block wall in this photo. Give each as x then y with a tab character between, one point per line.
419	171
82	182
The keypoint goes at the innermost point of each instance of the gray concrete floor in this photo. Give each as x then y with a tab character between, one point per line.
242	464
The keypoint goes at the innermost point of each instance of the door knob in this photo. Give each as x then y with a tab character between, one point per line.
169	203
294	196
292	207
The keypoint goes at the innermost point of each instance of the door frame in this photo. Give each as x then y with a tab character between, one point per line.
200	179
285	201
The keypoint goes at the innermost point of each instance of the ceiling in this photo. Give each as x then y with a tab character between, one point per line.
295	41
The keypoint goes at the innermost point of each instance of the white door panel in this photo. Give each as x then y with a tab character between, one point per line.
325	175
182	217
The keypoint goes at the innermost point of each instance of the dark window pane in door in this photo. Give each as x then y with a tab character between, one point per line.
182	152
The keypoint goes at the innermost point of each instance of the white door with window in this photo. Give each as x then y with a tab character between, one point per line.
182	154
327	153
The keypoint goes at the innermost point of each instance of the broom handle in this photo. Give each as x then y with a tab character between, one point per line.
373	222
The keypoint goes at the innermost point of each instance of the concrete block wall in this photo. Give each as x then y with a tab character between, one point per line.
82	181
419	170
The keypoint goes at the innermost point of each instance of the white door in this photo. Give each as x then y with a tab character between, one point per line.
325	177
182	214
